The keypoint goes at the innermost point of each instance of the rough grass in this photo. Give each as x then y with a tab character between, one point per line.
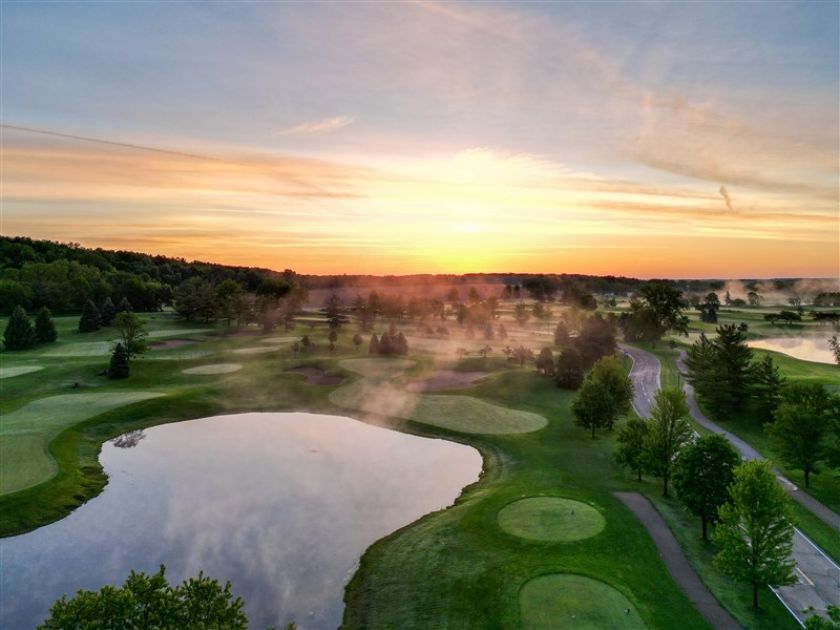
27	431
214	368
575	601
551	519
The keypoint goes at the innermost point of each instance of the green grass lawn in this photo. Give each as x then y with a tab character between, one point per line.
551	519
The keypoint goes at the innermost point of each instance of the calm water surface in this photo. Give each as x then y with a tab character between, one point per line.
281	504
805	348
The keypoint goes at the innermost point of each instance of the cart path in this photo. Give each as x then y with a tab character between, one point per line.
677	563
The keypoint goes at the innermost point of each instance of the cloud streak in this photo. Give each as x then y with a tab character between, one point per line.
317	126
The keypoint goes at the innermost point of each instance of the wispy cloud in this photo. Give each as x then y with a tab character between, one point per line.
317	126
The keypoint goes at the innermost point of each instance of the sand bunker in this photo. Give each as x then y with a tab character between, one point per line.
255	350
170	343
564	600
443	380
214	368
317	376
18	370
550	519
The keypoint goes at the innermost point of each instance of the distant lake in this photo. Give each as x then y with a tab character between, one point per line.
281	504
805	348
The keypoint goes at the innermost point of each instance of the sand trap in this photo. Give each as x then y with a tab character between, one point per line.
18	370
170	343
443	380
316	376
550	519
565	600
214	368
377	368
254	350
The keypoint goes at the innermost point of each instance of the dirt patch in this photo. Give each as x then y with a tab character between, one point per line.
443	380
170	343
317	376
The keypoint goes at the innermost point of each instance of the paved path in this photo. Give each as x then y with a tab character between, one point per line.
818	576
676	562
645	376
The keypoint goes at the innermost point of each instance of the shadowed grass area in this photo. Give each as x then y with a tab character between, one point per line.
575	601
551	519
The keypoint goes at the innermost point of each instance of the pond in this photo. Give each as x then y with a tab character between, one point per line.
281	504
805	348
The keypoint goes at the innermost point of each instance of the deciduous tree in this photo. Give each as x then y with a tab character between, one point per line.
631	450
669	433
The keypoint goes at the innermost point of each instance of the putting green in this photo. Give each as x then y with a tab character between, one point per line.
82	349
18	370
459	413
550	519
215	368
565	600
377	368
26	432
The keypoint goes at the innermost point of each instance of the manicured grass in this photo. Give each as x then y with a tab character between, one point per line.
214	368
18	370
23	461
575	601
551	519
377	368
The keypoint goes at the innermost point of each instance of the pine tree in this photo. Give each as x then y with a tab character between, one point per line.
118	367
89	321
44	327
124	306
19	334
767	387
108	312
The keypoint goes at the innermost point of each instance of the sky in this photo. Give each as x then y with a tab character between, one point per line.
692	139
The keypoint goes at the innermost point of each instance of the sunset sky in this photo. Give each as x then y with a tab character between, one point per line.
648	139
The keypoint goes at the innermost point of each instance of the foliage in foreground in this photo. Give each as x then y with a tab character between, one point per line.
149	602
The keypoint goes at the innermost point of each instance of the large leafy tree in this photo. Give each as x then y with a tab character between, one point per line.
802	427
657	309
19	334
606	395
669	433
569	371
631	450
130	328
702	475
149	602
592	405
754	533
45	331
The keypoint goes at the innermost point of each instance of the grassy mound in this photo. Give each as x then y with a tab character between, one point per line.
574	601
26	432
458	413
18	370
214	368
377	368
551	519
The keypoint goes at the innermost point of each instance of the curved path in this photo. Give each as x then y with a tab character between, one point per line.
646	380
818	576
677	563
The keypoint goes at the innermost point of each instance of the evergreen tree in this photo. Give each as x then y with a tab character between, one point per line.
734	357
108	312
702	475
89	321
19	334
118	368
124	306
373	348
45	331
755	534
631	450
545	362
767	387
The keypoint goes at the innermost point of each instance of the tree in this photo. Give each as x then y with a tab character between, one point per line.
132	333
721	370
89	321
631	450
194	299
569	371
19	334
107	312
149	602
610	372
709	308
523	354
815	622
592	405
834	344
119	366
596	339
669	433
754	533
545	362
227	300
521	314
801	426
702	475
373	347
767	387
333	337
45	331
657	310
561	335
754	298
124	306
357	340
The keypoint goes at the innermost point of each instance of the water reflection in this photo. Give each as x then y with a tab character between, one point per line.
129	440
282	505
805	348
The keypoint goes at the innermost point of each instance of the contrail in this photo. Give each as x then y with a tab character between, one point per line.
139	147
725	194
